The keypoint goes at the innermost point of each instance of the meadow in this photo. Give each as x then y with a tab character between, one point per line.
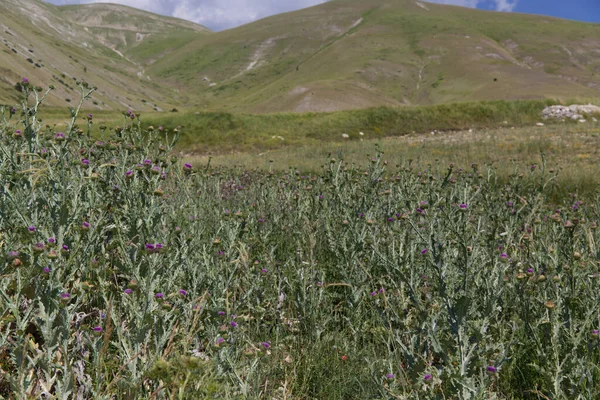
129	273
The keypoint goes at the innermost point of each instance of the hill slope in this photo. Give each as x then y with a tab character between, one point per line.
104	44
342	54
352	53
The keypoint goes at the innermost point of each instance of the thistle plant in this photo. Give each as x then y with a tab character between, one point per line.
129	274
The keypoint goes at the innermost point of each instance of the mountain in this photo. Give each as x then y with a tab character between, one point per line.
106	45
355	53
342	54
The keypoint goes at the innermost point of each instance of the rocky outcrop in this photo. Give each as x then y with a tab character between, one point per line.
575	112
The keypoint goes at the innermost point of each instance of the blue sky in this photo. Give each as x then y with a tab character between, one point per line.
581	10
224	14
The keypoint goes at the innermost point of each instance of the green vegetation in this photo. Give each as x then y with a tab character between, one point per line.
340	55
127	274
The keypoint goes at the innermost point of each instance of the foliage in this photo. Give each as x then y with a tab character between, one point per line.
128	275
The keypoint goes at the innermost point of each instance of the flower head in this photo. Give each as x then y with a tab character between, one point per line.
128	291
428	378
266	345
183	292
159	295
31	228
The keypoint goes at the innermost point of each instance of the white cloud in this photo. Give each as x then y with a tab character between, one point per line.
498	5
216	14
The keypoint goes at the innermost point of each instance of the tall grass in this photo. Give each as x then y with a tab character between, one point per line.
128	275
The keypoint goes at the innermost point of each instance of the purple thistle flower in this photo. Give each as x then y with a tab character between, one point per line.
85	225
390	376
221	313
159	295
424	251
595	332
420	211
25	81
463	206
149	247
187	166
147	162
97	329
266	345
65	295
129	174
219	341
427	377
65	248
491	369
59	136
158	246
233	324
128	291
390	219
31	228
39	247
51	240
372	294
183	292
90	116
320	284
530	271
46	270
12	255
85	162
264	270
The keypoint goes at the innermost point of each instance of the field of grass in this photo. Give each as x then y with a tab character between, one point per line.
129	274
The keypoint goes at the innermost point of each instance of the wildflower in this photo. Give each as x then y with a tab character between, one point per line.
128	291
85	162
219	341
12	255
463	207
17	133
39	247
264	270
65	296
85	226
129	174
428	378
155	170
530	271
221	313
183	292
25	82
187	167
65	248
424	251
158	247
149	247
89	117
549	305
390	219
97	330
147	163
266	345
504	258
51	241
344	357
47	270
159	295
31	229
491	370
233	324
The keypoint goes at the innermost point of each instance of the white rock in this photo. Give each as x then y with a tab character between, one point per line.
345	135
582	120
539	124
361	133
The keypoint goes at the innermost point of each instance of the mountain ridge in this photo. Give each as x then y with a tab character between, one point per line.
342	54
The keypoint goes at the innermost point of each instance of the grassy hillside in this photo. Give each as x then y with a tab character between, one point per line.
106	45
340	55
348	54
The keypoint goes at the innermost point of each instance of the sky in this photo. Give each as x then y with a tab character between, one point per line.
225	14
